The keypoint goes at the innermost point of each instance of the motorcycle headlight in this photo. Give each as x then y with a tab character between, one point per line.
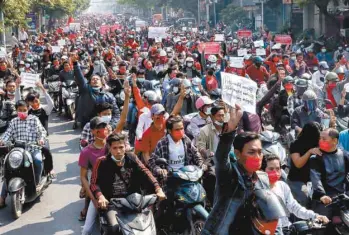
15	159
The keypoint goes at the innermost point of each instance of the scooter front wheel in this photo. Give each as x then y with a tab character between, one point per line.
198	226
16	204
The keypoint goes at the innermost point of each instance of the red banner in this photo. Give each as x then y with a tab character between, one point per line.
283	39
104	29
115	27
210	48
244	33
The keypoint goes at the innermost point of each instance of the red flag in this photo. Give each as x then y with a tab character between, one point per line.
70	20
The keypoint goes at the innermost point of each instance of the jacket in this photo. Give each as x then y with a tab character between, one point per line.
300	117
88	99
337	91
172	99
206	138
232	192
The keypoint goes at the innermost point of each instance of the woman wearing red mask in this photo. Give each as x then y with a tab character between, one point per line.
272	60
272	167
4	71
333	89
286	63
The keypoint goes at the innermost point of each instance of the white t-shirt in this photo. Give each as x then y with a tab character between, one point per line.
177	155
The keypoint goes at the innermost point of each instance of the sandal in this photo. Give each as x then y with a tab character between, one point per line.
82	216
82	193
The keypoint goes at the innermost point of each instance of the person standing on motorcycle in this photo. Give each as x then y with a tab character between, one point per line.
117	175
26	128
328	172
323	55
272	166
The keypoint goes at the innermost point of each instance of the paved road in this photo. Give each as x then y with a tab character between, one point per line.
56	211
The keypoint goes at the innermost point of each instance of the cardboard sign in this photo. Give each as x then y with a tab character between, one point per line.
56	49
209	48
61	42
244	33
283	39
29	79
259	43
261	52
236	62
219	37
74	27
239	90
104	29
242	52
157	32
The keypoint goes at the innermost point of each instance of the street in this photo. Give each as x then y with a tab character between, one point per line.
57	210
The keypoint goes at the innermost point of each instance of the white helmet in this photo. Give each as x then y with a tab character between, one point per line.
196	81
235	41
163	53
150	95
186	83
202	101
212	59
189	59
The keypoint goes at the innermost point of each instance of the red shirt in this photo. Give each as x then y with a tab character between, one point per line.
258	75
151	138
272	66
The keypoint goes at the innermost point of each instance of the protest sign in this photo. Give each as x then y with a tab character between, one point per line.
184	28
56	49
29	79
210	48
219	37
66	29
239	90
104	29
244	33
194	30
259	43
242	52
74	27
61	42
260	52
115	27
236	62
3	52
283	39
157	32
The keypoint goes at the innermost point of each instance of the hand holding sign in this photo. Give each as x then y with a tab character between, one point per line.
29	79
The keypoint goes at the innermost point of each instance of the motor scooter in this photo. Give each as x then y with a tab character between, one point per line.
70	93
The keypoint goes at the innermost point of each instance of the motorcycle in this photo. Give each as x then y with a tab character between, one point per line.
53	84
20	178
69	93
7	113
305	227
189	213
134	215
341	222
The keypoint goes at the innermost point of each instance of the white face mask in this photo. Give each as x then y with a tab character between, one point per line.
187	91
293	58
218	123
21	69
106	118
115	68
323	50
208	111
190	65
175	89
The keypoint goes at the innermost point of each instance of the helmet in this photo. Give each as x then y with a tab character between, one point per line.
202	101
301	86
189	59
150	95
306	76
309	95
175	82
340	70
196	81
258	59
323	64
169	49
186	83
331	77
212	59
288	79
163	53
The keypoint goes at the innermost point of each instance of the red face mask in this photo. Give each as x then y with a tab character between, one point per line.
286	62
324	145
122	70
253	164
177	135
276	59
331	86
288	86
22	115
341	77
3	67
273	176
35	106
102	134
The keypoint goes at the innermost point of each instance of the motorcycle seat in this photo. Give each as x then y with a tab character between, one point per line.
336	220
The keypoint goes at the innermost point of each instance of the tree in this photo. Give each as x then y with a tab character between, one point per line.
234	16
144	4
14	12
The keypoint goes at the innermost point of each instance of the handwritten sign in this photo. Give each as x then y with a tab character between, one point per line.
61	42
219	37
194	30
56	49
242	52
74	27
244	33
259	43
239	90
157	32
104	29
260	52
29	79
283	39
236	62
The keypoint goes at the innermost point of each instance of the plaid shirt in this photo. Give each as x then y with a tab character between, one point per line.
30	131
86	134
192	156
292	103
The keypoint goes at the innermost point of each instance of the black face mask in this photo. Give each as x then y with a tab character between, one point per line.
258	65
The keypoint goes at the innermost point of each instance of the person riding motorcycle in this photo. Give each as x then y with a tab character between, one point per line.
5	70
189	69
119	174
295	100
333	89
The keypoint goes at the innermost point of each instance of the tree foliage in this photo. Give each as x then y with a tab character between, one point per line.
14	11
234	15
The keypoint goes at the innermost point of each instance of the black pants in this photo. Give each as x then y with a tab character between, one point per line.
48	162
60	100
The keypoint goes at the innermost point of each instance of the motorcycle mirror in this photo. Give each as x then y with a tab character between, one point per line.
161	161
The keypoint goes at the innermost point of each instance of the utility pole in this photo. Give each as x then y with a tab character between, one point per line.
262	14
198	13
2	33
207	11
214	13
241	5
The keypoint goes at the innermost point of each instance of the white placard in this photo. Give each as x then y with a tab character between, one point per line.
260	52
66	29
3	52
236	62
74	27
242	52
195	30
176	39
29	79
61	42
205	31
259	43
157	32
184	28
219	37
239	90
56	49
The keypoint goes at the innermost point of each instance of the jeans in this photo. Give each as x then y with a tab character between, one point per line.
90	220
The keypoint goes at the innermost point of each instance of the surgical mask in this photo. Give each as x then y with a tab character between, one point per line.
106	118
253	164
323	50
96	89
102	134
190	65
22	115
293	58
208	111
115	68
117	161
11	92
218	123
340	48
169	55
273	176
325	145
177	135
21	69
141	79
187	91
175	89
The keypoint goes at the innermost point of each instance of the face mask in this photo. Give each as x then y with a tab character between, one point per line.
160	120
141	79
293	58
177	135
253	164
340	48
115	68
22	115
273	176
310	105
276	59
208	111
175	89
21	69
218	123
322	71
169	55
106	118
36	106
3	68
115	160
323	50
189	65
324	145
332	86
341	77
11	93
286	62
288	87
96	89
122	71
102	134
